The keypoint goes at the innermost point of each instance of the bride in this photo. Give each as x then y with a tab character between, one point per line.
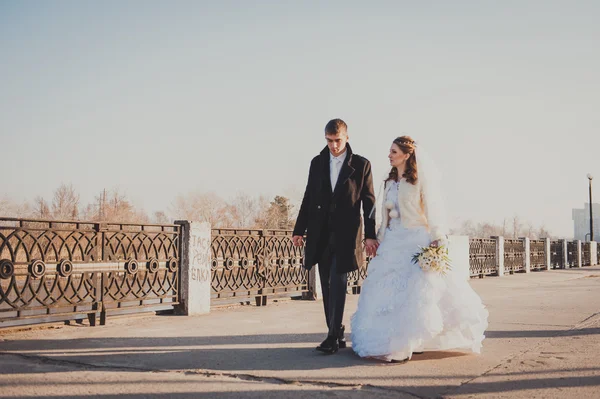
402	309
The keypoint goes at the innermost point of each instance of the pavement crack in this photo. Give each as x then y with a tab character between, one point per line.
312	383
210	373
538	324
590	320
61	362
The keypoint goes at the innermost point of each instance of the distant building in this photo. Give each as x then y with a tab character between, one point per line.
581	222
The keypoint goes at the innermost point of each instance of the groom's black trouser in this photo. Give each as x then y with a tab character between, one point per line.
333	288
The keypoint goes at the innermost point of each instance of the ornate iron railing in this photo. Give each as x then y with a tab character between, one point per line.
585	254
65	270
556	254
356	278
482	257
254	264
514	252
537	254
572	253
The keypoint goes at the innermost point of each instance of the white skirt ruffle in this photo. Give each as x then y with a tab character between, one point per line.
402	309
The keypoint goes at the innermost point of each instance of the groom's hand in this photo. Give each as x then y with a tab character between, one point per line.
298	241
371	246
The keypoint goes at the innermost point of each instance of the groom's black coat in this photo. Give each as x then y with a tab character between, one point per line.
323	212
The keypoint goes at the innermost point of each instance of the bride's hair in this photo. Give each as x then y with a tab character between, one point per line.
407	145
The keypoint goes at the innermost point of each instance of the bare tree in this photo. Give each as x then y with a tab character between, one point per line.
529	231
40	208
262	208
119	208
517	226
202	207
244	210
65	203
466	228
114	206
5	207
489	230
9	208
544	232
160	218
90	212
486	229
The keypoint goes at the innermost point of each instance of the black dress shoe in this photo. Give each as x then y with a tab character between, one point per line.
399	361
329	346
341	340
418	353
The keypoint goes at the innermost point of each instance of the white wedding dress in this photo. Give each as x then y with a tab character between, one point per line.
402	309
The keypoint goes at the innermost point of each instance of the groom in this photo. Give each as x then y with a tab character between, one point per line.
339	182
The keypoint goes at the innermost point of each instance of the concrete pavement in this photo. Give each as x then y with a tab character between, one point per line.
543	341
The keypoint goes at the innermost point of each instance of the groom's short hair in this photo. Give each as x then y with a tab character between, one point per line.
336	126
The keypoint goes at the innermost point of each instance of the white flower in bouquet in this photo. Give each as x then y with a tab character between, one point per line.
433	259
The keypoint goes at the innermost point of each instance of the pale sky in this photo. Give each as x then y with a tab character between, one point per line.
163	98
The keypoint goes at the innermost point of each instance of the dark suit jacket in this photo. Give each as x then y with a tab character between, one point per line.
323	212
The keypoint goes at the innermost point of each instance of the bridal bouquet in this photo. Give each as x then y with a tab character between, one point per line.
433	259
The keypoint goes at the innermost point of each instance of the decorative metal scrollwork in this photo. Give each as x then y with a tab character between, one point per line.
37	268
482	257
65	268
229	263
69	266
572	253
132	266
264	265
7	269
261	264
585	254
514	253
556	254
172	265
537	254
152	265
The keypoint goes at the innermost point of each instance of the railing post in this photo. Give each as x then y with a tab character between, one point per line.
102	304
593	253
500	254
97	304
526	254
261	298
565	259
458	251
195	268
578	260
548	253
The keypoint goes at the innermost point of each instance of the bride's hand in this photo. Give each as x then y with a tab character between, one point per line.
435	243
371	246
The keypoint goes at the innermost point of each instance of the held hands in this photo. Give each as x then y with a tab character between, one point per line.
298	241
371	246
443	241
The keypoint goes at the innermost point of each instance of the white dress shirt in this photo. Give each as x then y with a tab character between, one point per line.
335	165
